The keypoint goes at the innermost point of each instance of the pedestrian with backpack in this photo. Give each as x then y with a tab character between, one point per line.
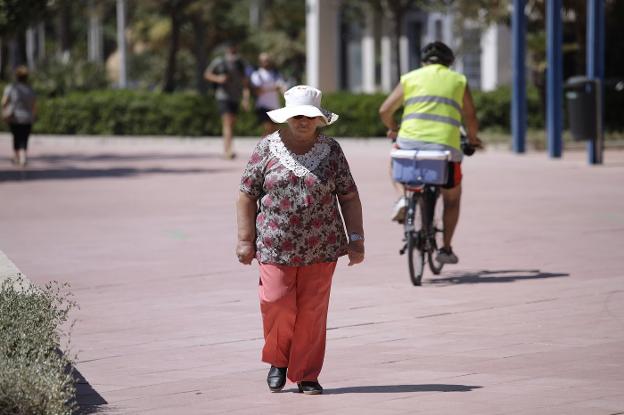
228	72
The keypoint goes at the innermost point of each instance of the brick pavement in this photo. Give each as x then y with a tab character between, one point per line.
530	322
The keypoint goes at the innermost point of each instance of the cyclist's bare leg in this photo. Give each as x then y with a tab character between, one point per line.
451	199
398	187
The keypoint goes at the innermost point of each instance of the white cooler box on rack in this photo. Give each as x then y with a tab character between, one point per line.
417	167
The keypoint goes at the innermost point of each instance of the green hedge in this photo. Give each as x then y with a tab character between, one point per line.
34	375
494	109
125	112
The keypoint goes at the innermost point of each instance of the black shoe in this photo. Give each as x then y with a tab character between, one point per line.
310	388
276	379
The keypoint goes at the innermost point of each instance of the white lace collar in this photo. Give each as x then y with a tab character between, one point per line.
300	164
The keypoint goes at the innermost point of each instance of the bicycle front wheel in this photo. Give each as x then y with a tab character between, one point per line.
436	230
415	258
413	235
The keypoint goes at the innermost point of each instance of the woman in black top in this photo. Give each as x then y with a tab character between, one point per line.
19	110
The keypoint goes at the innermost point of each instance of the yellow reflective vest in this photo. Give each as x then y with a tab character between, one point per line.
433	98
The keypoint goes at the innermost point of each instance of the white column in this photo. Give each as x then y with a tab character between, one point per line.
94	34
255	7
386	57
322	47
41	41
404	50
504	55
31	45
121	42
489	59
312	46
368	54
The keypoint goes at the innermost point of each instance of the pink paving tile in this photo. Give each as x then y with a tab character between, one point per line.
529	322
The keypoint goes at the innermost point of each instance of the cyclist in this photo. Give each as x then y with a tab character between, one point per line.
435	100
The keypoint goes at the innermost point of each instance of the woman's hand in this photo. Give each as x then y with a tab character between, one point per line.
246	252
355	251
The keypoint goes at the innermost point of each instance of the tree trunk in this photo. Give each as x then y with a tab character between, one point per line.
201	55
170	70
63	27
398	32
16	51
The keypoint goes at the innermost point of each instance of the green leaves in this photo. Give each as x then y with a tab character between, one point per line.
15	15
34	375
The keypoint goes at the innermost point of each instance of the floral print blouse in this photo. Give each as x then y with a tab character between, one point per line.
298	222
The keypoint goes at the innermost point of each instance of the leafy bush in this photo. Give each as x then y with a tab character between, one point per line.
34	373
494	109
58	78
132	112
359	114
123	112
614	102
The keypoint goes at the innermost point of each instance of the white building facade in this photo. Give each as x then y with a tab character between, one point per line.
360	55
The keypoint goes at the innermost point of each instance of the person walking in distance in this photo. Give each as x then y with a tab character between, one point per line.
19	110
228	73
266	84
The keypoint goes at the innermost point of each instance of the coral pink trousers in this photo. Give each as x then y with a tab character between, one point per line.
294	302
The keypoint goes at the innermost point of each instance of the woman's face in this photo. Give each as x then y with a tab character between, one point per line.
304	127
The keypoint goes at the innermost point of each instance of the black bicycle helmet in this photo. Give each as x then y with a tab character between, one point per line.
438	52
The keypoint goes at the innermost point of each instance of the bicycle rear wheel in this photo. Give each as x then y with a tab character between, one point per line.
413	235
436	231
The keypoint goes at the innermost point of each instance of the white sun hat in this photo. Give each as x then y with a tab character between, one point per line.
302	100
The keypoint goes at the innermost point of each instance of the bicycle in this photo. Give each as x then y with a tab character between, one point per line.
422	173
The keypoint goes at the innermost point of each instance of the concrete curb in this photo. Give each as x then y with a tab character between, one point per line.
8	269
210	140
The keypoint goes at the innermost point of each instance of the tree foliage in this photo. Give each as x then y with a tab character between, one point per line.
281	33
16	15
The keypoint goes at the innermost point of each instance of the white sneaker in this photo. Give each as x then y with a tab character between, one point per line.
447	256
398	211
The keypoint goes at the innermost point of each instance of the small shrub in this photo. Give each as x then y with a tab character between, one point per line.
35	375
494	109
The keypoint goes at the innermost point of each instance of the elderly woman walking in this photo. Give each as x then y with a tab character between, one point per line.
289	220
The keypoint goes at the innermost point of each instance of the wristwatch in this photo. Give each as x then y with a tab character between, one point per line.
355	237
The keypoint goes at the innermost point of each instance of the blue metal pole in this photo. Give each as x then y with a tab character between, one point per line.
518	100
554	75
595	70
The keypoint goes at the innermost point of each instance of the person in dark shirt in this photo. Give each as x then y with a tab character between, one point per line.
19	111
228	72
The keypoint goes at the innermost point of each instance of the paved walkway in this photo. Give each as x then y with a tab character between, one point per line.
530	322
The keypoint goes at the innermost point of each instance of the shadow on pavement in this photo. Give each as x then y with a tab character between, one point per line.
400	389
74	157
80	173
89	401
496	276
